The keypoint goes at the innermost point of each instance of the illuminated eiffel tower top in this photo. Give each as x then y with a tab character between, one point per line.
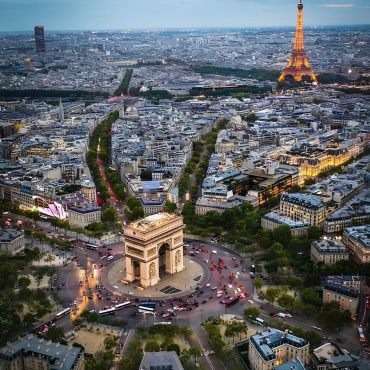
298	64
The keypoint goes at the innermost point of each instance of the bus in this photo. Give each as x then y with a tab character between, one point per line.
148	304
122	305
63	313
92	246
108	311
361	335
230	302
260	321
147	309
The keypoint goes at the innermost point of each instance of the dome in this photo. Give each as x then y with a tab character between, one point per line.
27	59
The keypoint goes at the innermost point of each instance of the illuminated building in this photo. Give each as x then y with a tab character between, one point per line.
300	207
84	214
265	186
274	347
40	39
328	251
357	240
154	246
298	65
336	288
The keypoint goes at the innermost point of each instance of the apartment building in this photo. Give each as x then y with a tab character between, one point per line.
272	220
84	214
344	290
357	240
274	347
300	207
30	353
328	251
11	241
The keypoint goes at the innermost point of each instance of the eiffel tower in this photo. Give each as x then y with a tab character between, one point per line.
298	64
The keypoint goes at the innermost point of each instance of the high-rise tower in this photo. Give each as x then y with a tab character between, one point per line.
298	64
40	39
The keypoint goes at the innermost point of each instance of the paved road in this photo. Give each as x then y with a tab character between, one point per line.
71	275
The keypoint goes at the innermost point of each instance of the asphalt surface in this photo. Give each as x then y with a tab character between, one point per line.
72	274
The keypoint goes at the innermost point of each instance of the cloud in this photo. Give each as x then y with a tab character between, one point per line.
337	5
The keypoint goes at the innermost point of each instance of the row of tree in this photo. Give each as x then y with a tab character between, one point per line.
123	87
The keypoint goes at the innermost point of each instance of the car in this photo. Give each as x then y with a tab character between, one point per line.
250	301
166	315
109	249
339	340
244	270
273	314
214	251
288	315
194	302
189	308
263	307
282	315
223	301
208	285
317	328
133	314
214	288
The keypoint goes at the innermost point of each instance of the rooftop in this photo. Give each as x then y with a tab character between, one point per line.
329	246
85	208
307	201
59	356
161	361
9	235
153	221
282	219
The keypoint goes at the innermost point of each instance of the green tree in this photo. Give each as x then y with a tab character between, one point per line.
272	294
194	352
314	233
310	296
251	312
295	283
174	347
333	317
286	301
29	319
109	342
152	346
309	309
283	235
56	334
313	337
24	281
109	215
258	284
169	206
277	251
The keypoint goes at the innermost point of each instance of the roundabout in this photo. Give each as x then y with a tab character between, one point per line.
194	275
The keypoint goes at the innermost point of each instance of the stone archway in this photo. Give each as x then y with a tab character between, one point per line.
163	259
136	269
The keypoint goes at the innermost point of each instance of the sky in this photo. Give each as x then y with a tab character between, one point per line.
23	15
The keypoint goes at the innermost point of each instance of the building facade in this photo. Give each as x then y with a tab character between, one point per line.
154	246
357	240
40	39
272	220
274	347
31	353
338	289
84	214
328	251
11	241
300	207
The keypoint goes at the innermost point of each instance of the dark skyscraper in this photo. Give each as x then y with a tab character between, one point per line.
39	39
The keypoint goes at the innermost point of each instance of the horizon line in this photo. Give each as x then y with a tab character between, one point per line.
185	29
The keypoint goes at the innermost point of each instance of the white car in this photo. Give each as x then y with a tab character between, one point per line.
250	301
317	328
208	285
197	252
214	251
175	308
288	315
282	315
